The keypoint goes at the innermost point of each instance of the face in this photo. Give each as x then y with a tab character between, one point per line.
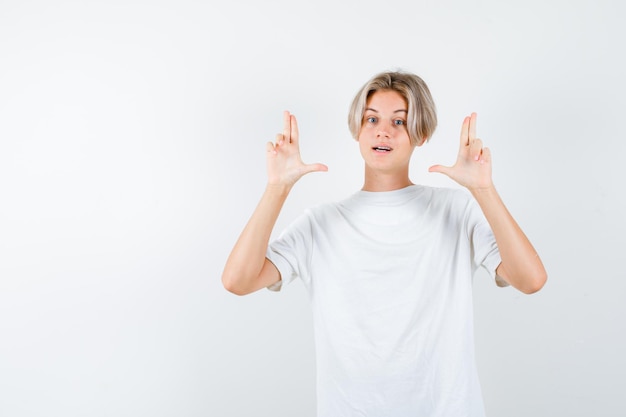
384	139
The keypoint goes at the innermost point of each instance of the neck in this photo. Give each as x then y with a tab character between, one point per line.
385	181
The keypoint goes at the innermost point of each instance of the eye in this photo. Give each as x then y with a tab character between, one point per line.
370	119
399	122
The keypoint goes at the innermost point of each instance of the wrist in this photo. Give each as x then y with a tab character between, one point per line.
484	192
278	189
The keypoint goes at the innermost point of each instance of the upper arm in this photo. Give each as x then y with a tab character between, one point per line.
502	276
269	275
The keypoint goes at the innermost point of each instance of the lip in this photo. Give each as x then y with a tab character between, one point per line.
382	148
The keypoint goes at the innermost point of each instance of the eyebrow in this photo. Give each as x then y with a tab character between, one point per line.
376	111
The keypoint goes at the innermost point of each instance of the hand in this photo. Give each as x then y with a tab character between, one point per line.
473	164
284	165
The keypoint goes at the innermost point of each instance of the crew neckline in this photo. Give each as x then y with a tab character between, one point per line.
400	195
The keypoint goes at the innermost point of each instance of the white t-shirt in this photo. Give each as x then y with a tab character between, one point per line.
389	275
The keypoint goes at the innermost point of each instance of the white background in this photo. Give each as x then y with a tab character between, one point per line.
132	151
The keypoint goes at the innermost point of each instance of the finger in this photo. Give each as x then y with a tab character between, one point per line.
465	132
476	148
287	126
269	147
315	168
280	139
294	129
486	156
440	169
472	127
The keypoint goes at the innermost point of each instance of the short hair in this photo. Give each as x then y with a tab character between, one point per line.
422	114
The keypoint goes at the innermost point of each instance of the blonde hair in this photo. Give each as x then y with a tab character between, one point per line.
422	114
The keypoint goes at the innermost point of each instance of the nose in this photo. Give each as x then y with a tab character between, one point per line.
382	132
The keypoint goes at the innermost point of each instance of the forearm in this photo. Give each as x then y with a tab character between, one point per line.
246	260
521	266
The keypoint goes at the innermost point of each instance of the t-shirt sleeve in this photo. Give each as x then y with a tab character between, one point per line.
289	252
485	251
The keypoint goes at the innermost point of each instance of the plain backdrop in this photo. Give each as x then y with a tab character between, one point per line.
132	152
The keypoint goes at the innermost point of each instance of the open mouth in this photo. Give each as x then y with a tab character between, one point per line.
382	148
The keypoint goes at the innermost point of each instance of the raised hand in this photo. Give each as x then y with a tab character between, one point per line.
284	164
472	168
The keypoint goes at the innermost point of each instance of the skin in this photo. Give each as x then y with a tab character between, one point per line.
386	149
521	266
384	126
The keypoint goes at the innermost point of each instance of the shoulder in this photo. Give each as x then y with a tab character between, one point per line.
457	198
313	217
322	211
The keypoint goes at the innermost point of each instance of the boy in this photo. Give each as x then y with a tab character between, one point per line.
389	269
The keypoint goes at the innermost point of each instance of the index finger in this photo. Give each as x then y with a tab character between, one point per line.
465	132
294	129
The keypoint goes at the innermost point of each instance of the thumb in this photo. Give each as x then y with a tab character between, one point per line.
440	168
315	168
